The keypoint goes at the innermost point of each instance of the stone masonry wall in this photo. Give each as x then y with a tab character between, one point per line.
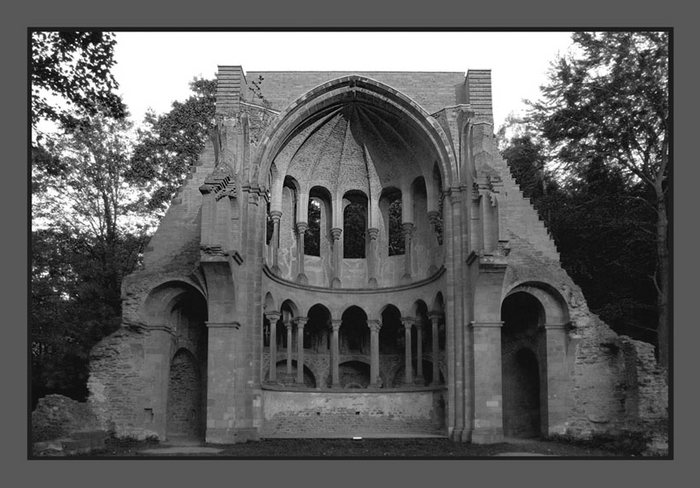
309	414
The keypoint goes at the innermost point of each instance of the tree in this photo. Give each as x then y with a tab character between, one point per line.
602	230
609	105
89	228
170	143
70	74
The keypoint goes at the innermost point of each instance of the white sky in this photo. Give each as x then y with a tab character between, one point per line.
154	68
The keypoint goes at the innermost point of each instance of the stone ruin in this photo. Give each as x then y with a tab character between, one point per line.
352	257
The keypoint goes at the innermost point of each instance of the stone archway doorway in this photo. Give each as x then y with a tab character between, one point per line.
521	362
185	417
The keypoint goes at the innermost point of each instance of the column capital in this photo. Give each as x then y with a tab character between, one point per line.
373	233
374	325
407	228
288	324
273	316
301	227
335	324
301	321
435	316
275	215
474	324
408	321
335	233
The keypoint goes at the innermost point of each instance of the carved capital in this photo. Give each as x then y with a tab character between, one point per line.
275	215
301	322
301	227
373	233
374	325
435	317
335	324
273	317
335	233
408	322
407	228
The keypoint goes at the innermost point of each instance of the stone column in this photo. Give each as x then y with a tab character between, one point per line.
276	215
419	352
372	257
435	322
337	256
301	322
273	317
555	417
301	228
407	234
408	366
488	394
288	325
374	326
335	353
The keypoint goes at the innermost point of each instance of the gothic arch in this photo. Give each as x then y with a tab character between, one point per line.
357	88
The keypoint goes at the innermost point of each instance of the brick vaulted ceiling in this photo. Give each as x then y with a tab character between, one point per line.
354	145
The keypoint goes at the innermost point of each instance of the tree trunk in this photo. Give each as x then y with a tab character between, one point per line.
662	277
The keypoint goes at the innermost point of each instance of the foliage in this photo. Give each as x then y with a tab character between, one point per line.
603	231
312	236
72	68
354	230
397	242
170	143
79	259
604	116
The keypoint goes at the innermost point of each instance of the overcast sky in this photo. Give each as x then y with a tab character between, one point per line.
154	68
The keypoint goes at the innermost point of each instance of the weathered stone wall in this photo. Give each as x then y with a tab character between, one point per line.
347	414
123	391
432	91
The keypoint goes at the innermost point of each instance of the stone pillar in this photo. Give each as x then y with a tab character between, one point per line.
374	326
301	228
407	234
488	394
222	385
276	215
555	417
372	257
419	353
337	256
288	325
433	217
273	317
335	353
408	366
435	322
301	322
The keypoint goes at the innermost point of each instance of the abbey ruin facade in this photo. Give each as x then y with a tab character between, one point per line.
352	257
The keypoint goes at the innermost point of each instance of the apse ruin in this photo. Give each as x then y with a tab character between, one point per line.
352	257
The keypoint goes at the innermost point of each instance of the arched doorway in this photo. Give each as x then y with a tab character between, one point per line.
185	415
522	357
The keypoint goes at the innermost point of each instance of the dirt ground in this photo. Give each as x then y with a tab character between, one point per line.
429	448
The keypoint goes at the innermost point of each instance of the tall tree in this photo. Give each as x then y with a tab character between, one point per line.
70	72
89	227
603	231
170	143
609	104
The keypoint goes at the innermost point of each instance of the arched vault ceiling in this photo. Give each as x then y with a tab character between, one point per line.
356	145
